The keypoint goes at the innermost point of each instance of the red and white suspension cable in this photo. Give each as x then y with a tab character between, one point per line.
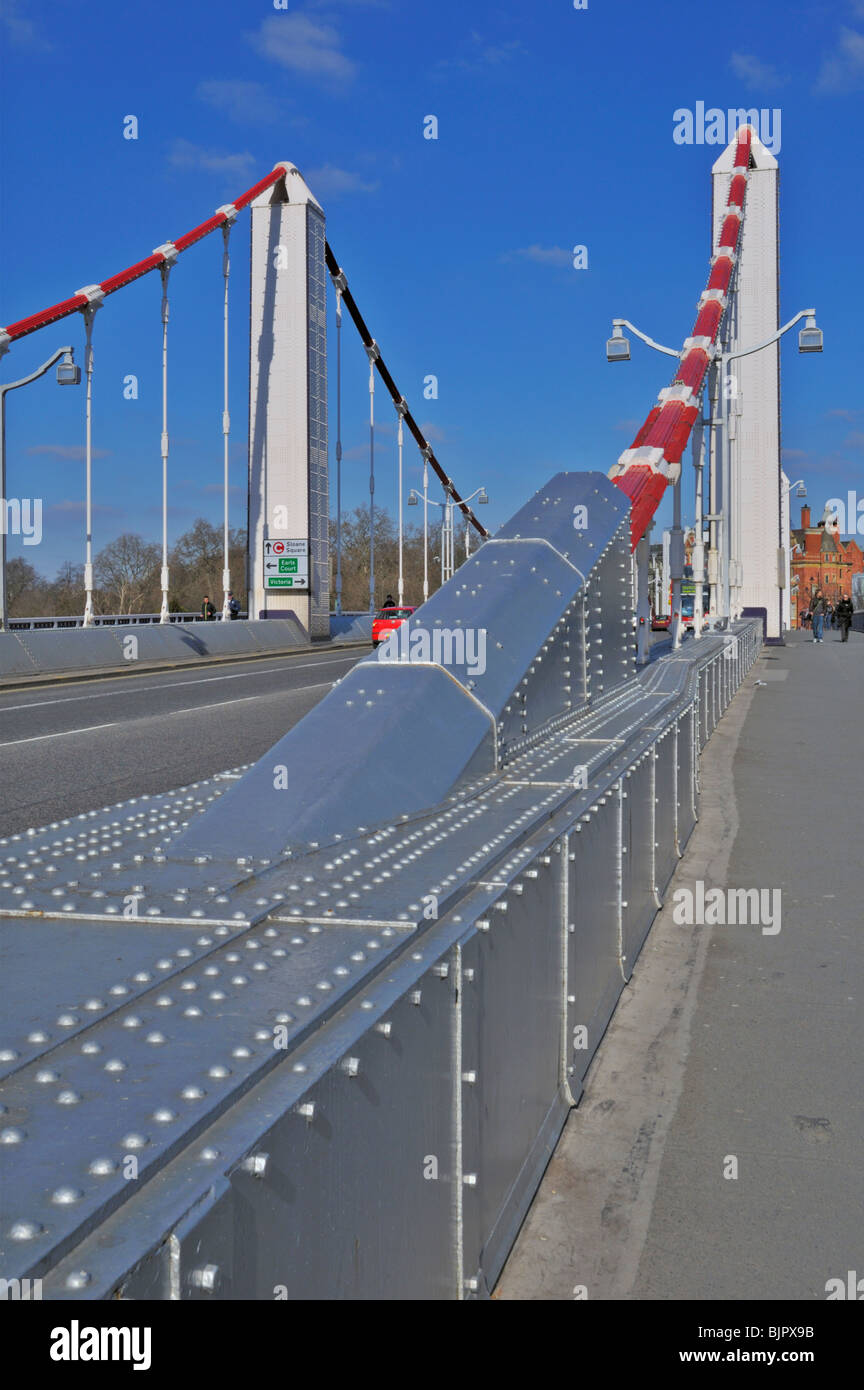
653	461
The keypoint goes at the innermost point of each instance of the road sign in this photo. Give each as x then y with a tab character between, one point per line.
286	564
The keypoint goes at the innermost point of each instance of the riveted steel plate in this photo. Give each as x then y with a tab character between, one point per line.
639	902
252	978
594	978
686	775
514	1053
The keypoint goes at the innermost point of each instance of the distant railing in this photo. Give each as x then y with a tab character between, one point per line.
107	620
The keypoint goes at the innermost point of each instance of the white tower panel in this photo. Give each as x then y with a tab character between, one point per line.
288	489
753	315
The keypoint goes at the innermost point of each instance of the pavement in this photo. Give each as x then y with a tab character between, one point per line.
79	746
716	1150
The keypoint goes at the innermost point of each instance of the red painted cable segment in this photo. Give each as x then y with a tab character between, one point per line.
14	331
653	461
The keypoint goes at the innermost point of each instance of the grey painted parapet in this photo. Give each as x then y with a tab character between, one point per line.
351	627
341	1074
338	1033
55	651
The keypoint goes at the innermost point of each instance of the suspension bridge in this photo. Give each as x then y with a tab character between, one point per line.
312	1025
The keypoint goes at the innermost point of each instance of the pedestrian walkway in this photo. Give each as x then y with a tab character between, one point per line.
735	1049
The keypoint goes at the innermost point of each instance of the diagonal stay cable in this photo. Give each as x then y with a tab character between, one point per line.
339	280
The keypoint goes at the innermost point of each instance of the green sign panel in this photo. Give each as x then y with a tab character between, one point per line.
286	564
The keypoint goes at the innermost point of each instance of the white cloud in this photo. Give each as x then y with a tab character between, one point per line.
248	102
71	506
477	52
72	452
185	155
432	432
304	45
20	30
754	73
542	255
330	182
843	71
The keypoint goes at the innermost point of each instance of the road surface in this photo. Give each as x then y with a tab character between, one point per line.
74	747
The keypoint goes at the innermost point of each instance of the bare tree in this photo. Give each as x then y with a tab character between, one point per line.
127	570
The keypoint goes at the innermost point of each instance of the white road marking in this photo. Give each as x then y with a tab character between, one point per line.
170	685
241	699
192	709
63	734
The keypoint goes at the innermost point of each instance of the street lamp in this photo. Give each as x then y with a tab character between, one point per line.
414	497
483	499
802	491
68	374
617	347
784	559
448	555
810	339
618	350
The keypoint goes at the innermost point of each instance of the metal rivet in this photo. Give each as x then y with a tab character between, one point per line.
134	1141
206	1278
65	1196
101	1167
25	1230
255	1164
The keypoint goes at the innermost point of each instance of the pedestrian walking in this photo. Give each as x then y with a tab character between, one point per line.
829	616
843	614
817	613
208	611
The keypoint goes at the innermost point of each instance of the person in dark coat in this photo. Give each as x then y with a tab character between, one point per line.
843	613
208	611
817	614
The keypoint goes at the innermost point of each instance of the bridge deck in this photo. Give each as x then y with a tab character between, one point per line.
759	1059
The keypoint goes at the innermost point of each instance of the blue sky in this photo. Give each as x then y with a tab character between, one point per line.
555	130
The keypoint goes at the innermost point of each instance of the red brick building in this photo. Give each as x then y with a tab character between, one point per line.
821	559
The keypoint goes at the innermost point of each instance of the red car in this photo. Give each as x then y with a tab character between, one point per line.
387	620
